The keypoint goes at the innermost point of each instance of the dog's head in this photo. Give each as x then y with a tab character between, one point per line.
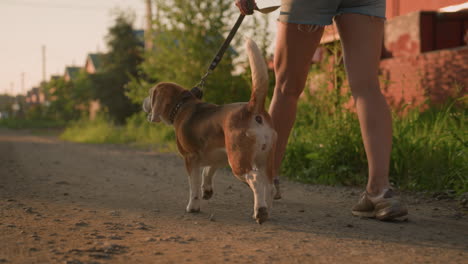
161	101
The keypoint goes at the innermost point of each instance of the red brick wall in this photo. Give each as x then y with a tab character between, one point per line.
402	36
432	76
398	8
401	7
418	32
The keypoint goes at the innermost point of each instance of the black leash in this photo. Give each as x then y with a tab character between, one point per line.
197	91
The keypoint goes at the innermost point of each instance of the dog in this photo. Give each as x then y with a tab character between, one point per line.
211	136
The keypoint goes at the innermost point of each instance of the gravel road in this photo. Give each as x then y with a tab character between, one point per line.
63	202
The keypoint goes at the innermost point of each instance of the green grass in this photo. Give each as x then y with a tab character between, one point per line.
137	132
325	148
429	149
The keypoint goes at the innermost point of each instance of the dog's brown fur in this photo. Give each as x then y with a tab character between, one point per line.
211	136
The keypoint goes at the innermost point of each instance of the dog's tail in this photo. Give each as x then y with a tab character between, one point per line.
259	77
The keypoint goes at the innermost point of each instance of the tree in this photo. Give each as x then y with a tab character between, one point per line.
62	100
187	36
120	65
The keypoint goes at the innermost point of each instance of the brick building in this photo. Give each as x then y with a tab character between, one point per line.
400	7
425	57
425	53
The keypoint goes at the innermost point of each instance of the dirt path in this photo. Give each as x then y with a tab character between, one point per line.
62	202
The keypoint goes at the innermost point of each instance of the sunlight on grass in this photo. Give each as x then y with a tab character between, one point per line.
137	132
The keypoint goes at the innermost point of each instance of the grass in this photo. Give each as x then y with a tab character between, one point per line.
325	148
429	149
137	132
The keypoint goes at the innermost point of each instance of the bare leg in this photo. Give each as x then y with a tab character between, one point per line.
361	38
295	46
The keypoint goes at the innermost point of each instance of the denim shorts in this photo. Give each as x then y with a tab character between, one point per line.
321	12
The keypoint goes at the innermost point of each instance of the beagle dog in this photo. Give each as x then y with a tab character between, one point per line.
211	136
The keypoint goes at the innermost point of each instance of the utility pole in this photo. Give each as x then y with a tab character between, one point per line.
12	88
15	107
22	82
149	26
43	63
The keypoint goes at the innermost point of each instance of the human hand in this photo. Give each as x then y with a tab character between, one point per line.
246	7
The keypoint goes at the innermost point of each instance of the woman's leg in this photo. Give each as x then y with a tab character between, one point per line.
362	37
295	46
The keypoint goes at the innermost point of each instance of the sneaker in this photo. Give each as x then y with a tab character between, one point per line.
278	191
386	206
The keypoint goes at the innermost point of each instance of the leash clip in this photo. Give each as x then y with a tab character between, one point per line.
197	91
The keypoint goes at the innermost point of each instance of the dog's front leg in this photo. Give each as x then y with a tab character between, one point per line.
262	190
195	186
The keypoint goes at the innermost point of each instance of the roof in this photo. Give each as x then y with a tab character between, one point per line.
72	72
140	36
95	59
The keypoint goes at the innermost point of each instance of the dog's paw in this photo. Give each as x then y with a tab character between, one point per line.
193	206
192	210
261	215
207	194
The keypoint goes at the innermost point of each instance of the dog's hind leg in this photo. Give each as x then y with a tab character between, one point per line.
194	172
207	185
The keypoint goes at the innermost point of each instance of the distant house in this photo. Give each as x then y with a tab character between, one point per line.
35	96
93	65
93	62
71	73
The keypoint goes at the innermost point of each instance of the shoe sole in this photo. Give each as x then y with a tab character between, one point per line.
370	214
391	215
384	217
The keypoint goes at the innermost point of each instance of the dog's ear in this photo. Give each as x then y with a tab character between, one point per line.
155	111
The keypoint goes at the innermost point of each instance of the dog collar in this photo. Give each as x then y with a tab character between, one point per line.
183	98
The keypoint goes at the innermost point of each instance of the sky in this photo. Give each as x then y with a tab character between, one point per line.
69	29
